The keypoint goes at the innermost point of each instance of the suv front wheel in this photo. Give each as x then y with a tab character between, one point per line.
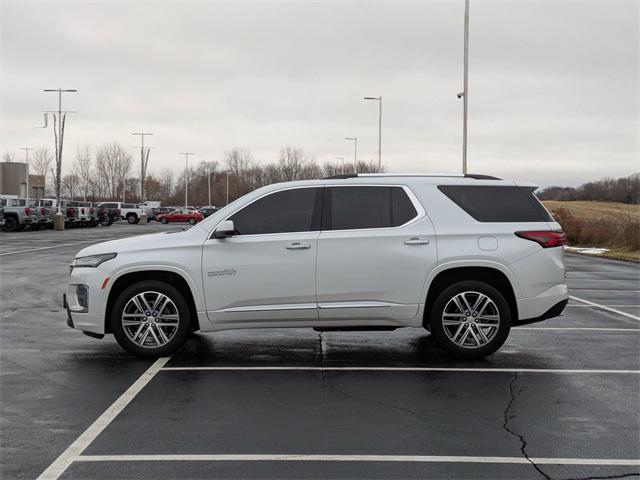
151	319
470	319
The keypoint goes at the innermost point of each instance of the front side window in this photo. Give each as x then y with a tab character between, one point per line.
348	208
294	210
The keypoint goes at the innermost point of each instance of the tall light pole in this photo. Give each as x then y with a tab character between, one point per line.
342	163
227	172
144	160
379	99
209	184
26	161
58	222
186	172
355	152
465	88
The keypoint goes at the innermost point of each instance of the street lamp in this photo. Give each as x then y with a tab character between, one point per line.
58	219
186	172
355	152
379	99
227	172
26	161
465	89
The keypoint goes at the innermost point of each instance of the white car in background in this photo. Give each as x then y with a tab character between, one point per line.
467	258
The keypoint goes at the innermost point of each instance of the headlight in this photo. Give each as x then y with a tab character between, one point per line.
92	260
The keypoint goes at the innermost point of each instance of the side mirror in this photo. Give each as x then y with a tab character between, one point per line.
225	229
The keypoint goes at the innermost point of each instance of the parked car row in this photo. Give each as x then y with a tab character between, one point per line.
20	213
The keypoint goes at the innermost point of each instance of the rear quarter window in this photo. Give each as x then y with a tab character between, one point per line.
497	203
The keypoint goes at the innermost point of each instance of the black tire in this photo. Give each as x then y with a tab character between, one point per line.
10	224
497	336
179	337
105	221
132	219
94	223
192	221
164	220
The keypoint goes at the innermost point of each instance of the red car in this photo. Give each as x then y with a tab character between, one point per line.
180	215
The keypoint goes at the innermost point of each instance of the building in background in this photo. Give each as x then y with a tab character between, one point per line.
13	181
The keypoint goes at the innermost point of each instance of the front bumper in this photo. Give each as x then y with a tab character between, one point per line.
90	319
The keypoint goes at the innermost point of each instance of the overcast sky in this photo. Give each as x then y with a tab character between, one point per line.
553	84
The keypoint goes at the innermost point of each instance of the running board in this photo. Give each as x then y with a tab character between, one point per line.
354	329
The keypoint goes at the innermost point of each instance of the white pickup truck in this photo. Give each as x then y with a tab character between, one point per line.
128	211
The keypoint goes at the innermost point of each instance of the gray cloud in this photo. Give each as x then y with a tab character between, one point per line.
553	85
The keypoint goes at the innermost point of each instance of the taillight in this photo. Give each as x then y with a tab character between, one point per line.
117	212
91	211
545	239
26	211
82	211
43	211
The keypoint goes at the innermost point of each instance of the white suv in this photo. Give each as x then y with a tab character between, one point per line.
466	258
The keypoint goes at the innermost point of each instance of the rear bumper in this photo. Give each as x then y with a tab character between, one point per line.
535	307
554	311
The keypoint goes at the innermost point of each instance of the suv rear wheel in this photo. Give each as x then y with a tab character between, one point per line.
131	218
470	319
151	319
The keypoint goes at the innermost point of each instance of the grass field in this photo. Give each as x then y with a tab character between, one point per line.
600	224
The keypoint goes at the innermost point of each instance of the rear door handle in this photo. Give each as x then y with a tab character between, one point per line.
416	241
298	246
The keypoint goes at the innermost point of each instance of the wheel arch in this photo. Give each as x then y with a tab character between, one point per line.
171	277
490	274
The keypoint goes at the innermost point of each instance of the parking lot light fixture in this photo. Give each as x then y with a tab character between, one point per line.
186	174
355	152
379	99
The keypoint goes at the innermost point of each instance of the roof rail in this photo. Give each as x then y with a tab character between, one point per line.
444	175
339	177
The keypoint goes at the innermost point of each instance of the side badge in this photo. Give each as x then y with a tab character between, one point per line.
220	273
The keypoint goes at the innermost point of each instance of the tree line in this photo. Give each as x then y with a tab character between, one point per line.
110	173
622	190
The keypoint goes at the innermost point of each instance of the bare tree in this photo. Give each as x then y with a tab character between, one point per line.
166	185
8	156
113	164
41	162
70	183
83	169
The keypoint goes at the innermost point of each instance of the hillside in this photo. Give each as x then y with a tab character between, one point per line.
600	224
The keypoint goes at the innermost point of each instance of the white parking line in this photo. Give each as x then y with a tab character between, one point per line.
49	247
603	307
588	306
74	450
358	458
592	329
400	369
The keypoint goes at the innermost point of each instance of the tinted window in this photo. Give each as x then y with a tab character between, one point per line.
280	212
349	208
498	203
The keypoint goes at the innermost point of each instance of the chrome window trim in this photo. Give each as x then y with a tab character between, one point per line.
421	212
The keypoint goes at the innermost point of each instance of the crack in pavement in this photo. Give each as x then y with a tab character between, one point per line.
508	416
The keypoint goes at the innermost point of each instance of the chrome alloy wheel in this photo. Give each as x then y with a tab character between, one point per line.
471	319
150	319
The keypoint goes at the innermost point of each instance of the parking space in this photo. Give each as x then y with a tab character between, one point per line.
559	400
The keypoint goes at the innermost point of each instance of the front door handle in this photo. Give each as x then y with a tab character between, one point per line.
298	246
416	241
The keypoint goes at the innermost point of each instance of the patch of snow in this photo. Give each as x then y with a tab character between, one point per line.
587	250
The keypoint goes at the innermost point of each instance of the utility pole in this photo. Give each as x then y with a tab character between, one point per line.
209	183
144	161
379	99
465	88
355	152
341	159
186	173
58	220
26	161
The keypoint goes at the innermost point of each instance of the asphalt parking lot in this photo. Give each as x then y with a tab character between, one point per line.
560	400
